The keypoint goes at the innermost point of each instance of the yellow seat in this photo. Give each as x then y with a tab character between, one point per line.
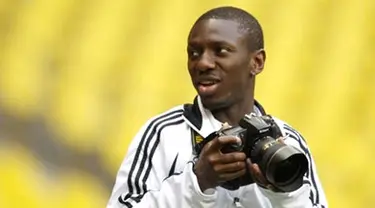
95	72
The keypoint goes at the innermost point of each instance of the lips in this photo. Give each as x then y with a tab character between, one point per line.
207	83
207	86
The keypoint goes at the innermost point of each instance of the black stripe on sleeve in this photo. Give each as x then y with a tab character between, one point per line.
153	124
148	170
142	147
124	202
298	137
145	156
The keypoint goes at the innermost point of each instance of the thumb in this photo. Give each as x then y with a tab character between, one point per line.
223	141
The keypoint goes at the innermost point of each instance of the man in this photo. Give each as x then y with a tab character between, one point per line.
162	168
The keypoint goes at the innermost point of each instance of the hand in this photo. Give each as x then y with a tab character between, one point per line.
257	174
214	167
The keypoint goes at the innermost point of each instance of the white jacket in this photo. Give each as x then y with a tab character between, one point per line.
157	171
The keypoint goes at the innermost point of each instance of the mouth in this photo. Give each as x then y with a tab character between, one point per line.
207	87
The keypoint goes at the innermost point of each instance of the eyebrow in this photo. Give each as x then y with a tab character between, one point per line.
211	42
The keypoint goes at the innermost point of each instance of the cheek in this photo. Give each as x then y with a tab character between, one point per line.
238	79
191	65
190	69
239	73
233	81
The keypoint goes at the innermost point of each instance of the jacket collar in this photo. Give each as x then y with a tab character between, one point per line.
201	119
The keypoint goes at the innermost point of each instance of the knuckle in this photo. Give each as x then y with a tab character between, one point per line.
208	146
240	164
233	157
241	156
221	140
226	139
216	168
211	160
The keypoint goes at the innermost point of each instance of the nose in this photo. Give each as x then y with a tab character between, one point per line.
206	62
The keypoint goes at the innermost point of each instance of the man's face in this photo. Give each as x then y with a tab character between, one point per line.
219	62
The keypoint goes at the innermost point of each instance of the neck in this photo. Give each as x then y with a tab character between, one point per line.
234	113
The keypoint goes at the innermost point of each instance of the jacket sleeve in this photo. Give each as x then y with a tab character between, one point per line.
311	194
143	181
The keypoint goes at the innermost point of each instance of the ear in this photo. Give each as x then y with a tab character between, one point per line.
257	61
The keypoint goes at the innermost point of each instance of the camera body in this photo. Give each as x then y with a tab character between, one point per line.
283	166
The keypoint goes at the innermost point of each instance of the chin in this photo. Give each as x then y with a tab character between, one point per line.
214	104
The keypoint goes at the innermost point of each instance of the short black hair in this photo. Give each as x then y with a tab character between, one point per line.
248	23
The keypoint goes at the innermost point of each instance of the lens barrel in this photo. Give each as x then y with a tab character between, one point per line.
283	165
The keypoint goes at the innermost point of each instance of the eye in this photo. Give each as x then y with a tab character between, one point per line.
222	51
193	53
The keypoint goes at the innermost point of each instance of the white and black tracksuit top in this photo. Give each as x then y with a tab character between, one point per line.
157	171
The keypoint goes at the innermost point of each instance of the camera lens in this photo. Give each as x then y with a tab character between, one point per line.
288	170
285	167
282	165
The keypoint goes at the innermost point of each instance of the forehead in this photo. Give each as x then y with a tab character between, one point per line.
216	30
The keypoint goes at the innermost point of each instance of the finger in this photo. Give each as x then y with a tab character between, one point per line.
232	157
222	141
250	168
230	167
282	139
230	176
256	173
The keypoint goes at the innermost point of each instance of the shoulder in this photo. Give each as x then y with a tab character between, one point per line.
153	126
286	128
173	115
293	136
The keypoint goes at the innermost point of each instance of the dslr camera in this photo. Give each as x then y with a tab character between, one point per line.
283	166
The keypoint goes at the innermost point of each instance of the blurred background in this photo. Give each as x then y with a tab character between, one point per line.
79	77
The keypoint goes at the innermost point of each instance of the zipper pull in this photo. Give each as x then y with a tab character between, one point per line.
236	202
